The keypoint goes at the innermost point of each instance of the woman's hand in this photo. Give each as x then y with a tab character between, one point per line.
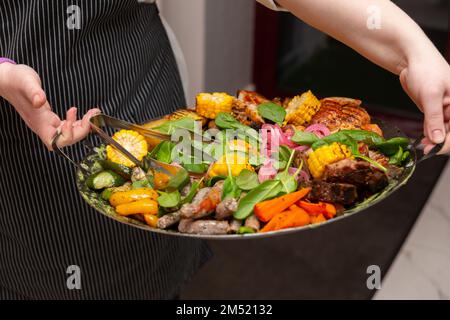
20	85
427	82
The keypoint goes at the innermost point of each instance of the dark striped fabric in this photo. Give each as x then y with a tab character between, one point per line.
121	61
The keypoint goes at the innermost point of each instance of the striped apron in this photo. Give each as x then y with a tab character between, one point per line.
119	59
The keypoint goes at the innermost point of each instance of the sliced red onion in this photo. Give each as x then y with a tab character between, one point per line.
302	175
267	171
319	130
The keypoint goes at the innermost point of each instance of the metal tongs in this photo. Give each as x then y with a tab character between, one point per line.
99	121
417	146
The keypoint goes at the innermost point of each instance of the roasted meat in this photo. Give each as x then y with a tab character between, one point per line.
245	108
341	114
366	178
226	208
204	227
235	225
341	193
253	222
206	204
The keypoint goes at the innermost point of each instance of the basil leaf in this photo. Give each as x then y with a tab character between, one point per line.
272	111
304	138
180	179
397	158
169	200
266	190
247	180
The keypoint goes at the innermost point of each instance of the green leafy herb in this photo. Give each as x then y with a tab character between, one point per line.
164	153
194	188
390	147
266	190
284	153
289	182
272	111
145	183
184	123
169	199
247	180
230	188
304	138
196	168
213	180
226	121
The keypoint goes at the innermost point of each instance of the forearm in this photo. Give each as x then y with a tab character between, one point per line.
392	46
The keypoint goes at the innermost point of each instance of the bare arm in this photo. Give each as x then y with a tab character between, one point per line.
399	45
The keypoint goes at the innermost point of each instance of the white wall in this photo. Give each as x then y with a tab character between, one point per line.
216	37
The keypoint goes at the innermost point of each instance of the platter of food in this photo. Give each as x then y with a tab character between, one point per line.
245	166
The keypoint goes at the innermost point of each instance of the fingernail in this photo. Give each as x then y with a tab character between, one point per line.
438	136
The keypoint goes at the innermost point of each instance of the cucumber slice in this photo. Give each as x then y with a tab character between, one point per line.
120	169
104	179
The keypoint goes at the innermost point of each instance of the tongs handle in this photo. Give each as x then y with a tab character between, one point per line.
418	148
61	153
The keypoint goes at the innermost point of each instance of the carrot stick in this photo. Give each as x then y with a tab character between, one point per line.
288	219
266	210
315	209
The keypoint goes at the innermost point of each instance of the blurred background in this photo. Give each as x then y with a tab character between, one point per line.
236	44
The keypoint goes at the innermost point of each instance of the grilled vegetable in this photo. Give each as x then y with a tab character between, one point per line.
145	206
301	109
133	142
294	217
186	113
266	210
315	209
151	220
120	169
209	105
119	198
323	156
236	162
104	179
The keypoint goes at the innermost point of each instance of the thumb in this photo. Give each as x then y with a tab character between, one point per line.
434	119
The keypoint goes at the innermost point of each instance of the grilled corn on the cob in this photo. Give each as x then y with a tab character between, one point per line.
186	113
210	104
323	156
302	108
133	142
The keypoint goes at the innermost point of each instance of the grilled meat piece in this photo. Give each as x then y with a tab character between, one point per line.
245	108
203	227
341	114
253	222
341	193
206	204
379	157
366	178
169	220
226	208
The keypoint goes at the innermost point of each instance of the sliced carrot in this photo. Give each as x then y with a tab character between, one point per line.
266	210
288	219
315	209
318	219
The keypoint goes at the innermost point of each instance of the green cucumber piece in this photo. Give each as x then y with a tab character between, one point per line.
104	179
120	169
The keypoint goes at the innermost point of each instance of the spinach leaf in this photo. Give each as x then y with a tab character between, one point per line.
196	168
272	111
245	230
169	200
164	152
213	180
390	147
247	180
145	183
184	123
284	153
230	188
226	121
289	182
304	138
266	190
